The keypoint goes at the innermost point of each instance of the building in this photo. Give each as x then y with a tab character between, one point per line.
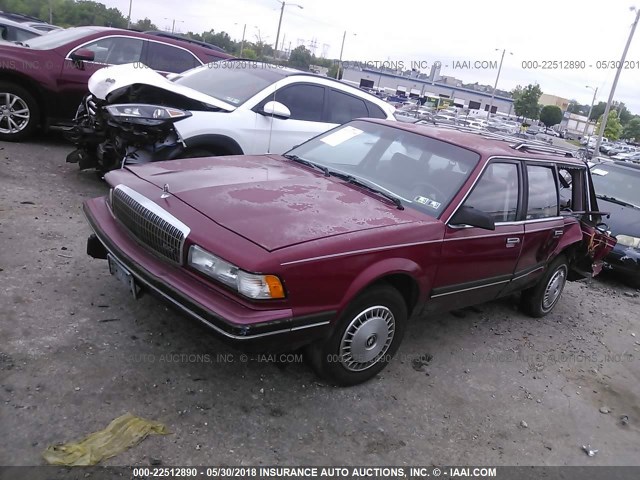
575	124
546	99
457	95
434	74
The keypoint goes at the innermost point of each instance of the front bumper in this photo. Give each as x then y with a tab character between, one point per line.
625	261
270	330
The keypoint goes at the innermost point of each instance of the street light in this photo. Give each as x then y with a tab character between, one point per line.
284	4
586	125
340	69
495	85
173	24
605	115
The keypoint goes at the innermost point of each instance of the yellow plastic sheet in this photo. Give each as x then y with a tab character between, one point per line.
122	433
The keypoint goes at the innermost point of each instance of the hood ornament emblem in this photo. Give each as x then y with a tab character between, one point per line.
165	191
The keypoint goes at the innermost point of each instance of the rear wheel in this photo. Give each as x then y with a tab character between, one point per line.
365	338
543	297
19	113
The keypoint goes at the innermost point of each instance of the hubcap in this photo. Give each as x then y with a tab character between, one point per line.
554	288
14	113
367	338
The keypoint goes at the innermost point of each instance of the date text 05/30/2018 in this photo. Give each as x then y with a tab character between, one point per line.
579	64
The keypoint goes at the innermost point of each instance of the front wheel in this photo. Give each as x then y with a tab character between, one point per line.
365	338
18	113
543	297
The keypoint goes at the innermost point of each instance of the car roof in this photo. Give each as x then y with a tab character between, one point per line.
22	25
182	38
486	143
205	51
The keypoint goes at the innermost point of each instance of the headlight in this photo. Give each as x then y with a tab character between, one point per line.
628	241
248	284
145	114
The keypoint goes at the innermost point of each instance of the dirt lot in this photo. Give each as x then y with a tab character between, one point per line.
481	386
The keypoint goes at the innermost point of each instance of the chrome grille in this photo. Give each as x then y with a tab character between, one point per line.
164	236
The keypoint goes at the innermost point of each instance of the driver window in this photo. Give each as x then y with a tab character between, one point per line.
116	50
496	193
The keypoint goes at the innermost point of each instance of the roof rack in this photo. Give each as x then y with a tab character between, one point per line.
516	142
527	146
210	46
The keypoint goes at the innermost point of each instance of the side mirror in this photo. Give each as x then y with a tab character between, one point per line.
473	217
83	55
275	109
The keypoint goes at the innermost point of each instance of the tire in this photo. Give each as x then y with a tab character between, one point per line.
21	119
541	299
364	340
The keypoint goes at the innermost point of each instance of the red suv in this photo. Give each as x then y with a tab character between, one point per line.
335	244
43	80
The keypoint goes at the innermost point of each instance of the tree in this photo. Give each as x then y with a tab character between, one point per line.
525	102
550	115
597	111
300	58
333	71
632	129
144	25
577	108
613	128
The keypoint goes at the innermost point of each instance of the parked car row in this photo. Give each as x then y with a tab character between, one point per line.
43	80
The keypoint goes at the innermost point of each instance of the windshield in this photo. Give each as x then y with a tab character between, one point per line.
232	82
620	183
424	173
59	37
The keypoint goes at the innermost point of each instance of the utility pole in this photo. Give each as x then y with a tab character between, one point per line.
605	115
495	85
128	18
586	126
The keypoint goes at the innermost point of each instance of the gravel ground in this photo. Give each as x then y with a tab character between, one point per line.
485	385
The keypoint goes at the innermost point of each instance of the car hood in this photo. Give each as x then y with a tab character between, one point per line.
270	200
623	220
112	78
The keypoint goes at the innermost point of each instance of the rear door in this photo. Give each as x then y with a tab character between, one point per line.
543	225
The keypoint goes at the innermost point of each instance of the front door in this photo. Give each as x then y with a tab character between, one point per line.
277	135
476	264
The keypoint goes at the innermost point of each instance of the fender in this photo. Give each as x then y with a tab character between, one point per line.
572	235
384	268
214	140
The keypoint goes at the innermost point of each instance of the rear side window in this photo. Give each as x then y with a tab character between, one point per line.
344	108
304	101
375	111
496	193
166	58
543	193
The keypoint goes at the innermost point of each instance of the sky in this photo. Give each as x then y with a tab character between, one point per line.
590	33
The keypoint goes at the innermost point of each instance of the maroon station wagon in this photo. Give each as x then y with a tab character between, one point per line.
334	245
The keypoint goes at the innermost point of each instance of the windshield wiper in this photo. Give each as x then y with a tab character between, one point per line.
296	158
369	186
617	200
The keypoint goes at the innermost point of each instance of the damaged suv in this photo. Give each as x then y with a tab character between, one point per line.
334	245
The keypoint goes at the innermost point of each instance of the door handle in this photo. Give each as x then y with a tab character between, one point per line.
558	233
512	242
